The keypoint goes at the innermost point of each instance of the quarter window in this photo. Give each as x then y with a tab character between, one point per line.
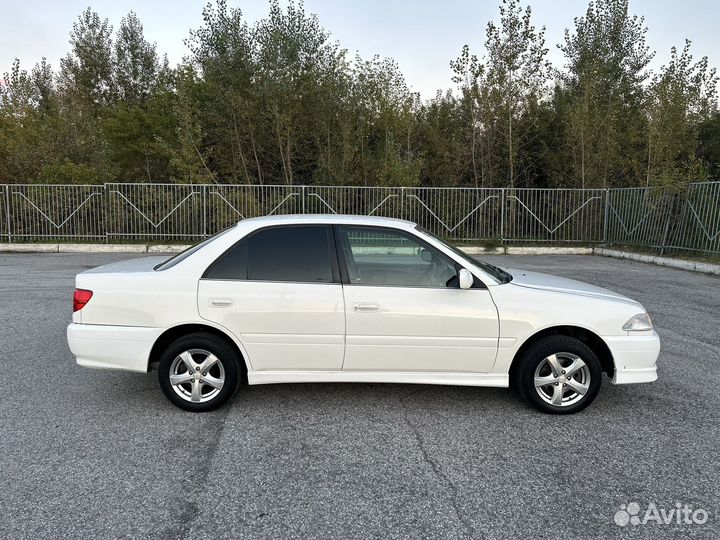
300	254
376	256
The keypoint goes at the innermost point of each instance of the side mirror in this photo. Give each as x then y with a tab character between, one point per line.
465	278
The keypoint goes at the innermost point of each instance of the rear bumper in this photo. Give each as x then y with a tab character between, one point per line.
635	358
112	347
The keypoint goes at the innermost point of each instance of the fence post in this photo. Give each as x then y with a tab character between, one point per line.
402	202
607	212
502	215
7	210
665	235
106	212
204	209
663	243
302	199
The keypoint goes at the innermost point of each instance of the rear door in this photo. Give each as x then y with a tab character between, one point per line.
279	291
404	309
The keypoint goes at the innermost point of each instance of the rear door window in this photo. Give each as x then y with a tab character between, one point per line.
302	254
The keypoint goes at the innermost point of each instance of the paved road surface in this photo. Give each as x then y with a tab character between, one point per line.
92	454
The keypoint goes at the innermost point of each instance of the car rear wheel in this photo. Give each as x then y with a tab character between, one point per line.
199	372
559	375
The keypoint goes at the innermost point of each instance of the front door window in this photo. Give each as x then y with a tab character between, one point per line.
383	257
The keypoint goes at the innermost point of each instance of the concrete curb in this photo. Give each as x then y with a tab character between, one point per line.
478	250
90	248
682	264
29	248
102	248
531	250
167	248
543	250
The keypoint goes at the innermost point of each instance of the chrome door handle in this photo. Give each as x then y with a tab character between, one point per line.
366	308
220	302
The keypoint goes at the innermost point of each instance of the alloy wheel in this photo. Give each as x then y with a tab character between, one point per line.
197	375
562	379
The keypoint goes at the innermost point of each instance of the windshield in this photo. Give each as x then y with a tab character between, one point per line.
498	273
172	261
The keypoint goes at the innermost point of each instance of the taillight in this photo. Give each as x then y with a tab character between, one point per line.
81	298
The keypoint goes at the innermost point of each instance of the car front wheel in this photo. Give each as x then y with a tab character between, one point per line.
199	372
559	375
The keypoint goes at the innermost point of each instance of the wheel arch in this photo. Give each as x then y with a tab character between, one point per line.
176	332
590	338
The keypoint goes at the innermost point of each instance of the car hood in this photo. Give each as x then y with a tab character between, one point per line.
547	282
144	264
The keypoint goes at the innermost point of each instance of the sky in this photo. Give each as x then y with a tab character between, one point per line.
422	36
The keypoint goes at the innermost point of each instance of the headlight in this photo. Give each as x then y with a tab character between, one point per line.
639	322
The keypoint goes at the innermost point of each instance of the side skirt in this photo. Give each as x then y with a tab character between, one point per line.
456	379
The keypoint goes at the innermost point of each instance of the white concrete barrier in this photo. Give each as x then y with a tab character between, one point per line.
29	248
682	264
548	250
167	248
479	250
102	248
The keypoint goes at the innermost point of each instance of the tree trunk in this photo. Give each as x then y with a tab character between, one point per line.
147	167
649	162
287	156
408	143
510	149
280	148
582	155
239	147
328	154
472	126
362	155
257	161
197	151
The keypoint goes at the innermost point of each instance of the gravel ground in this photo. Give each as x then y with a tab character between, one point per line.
93	454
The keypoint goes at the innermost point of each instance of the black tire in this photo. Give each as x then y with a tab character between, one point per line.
564	347
228	361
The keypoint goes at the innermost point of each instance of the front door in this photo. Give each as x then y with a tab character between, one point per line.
404	310
278	290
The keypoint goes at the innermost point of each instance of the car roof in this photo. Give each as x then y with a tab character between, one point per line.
339	219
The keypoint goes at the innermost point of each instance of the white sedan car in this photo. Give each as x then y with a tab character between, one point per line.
354	299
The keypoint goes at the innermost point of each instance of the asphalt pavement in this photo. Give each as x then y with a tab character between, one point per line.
97	454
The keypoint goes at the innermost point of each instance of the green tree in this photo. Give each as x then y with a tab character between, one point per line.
188	162
708	151
294	55
680	99
136	62
469	76
223	50
280	102
88	68
444	125
139	125
387	109
606	59
514	76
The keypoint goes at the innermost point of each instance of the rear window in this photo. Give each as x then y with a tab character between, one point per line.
172	261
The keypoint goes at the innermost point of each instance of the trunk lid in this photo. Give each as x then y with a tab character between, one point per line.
144	264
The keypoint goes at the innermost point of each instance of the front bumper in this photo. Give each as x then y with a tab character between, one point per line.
635	357
112	347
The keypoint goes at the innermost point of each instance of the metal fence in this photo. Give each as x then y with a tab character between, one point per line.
651	217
